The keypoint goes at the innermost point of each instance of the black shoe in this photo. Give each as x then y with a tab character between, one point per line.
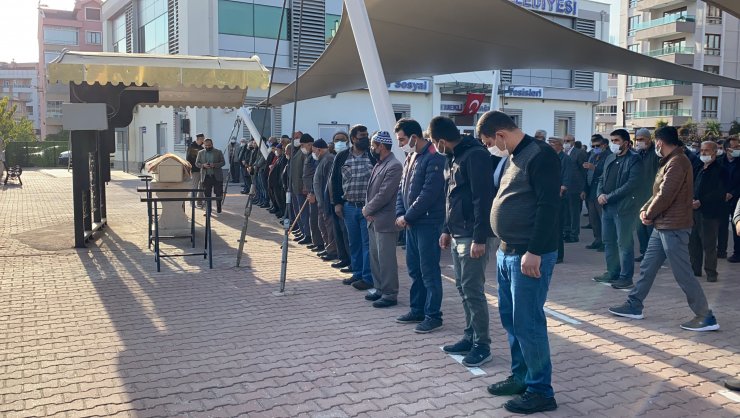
410	318
697	274
298	238
310	246
733	258
372	297
362	285
605	278
559	261
321	253
243	192
318	249
218	209
347	269
340	264
461	347
530	403
601	249
623	284
721	255
712	279
329	257
478	355
733	384
587	227
384	303
508	387
570	240
350	280
594	245
305	241
640	258
428	325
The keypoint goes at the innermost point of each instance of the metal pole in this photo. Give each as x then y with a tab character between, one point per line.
373	68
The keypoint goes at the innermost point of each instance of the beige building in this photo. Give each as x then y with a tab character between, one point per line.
605	119
690	33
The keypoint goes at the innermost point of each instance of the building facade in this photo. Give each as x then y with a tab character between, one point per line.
19	82
79	29
606	112
245	28
690	33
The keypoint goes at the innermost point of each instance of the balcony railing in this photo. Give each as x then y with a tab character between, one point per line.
662	21
661	113
671	50
659	83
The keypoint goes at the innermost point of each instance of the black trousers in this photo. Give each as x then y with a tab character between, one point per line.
724	228
210	184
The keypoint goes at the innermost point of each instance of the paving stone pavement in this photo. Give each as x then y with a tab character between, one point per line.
98	332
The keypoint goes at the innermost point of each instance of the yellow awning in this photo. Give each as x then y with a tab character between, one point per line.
182	80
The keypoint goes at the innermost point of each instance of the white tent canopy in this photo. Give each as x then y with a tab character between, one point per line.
416	38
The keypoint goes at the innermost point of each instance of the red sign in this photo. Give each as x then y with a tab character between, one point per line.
473	104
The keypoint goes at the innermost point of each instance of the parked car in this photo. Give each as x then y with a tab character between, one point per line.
64	157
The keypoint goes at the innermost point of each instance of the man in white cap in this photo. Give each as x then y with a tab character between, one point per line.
380	213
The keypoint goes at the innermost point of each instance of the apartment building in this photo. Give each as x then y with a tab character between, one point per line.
606	112
19	82
79	29
691	33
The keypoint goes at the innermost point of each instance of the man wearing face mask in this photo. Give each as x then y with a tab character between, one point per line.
379	212
567	186
420	209
573	199
297	161
274	181
731	170
192	155
595	169
521	216
312	209
618	192
709	206
320	154
350	177
232	152
650	161
243	156
467	233
670	210
340	141
210	161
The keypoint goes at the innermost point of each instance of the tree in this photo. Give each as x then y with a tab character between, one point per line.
712	129
734	128
661	124
61	136
12	129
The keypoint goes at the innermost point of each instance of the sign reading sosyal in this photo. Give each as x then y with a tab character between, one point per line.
412	86
559	7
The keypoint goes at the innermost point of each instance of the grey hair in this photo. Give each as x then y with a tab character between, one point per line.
541	132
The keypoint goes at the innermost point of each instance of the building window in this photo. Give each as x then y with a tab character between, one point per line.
709	107
676	13
153	32
54	109
669	107
611	92
50	56
332	24
119	33
674	45
60	36
93	38
714	69
29	110
92	13
714	15
255	20
634	47
606	110
630	108
712	44
632	4
631	81
632	23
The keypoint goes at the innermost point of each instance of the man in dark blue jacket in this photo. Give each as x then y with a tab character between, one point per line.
467	230
618	194
568	184
420	208
595	168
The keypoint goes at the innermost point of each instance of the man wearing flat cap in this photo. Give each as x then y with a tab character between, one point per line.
380	213
324	160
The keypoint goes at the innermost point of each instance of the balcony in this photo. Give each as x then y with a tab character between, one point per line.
674	117
645	5
661	88
680	55
666	26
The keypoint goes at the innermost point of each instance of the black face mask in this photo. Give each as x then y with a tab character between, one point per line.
362	144
208	148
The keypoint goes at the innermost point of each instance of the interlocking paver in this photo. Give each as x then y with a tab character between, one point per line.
97	331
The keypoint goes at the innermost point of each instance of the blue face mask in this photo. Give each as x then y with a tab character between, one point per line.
597	150
340	146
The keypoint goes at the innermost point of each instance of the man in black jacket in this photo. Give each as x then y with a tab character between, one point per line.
467	230
709	206
192	154
645	146
731	165
595	169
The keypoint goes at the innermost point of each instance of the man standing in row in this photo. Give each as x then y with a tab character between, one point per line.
467	230
595	166
210	161
670	211
324	159
618	190
420	209
578	184
567	174
379	212
650	161
193	149
521	217
232	152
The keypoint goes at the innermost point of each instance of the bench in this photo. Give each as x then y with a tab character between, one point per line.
14	173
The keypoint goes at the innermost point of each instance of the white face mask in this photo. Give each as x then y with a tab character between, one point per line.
340	146
406	148
305	151
297	142
735	153
658	151
693	149
567	146
315	156
498	152
705	158
720	152
614	147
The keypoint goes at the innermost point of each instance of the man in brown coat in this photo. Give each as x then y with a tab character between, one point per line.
380	213
669	210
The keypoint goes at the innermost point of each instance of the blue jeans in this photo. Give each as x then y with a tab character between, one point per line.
521	302
422	261
359	242
617	232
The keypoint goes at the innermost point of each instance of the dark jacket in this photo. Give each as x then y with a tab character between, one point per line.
628	182
578	156
568	174
696	164
731	172
650	165
336	180
709	189
670	206
309	169
594	176
192	154
421	194
469	192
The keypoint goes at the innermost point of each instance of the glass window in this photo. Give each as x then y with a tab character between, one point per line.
50	56
332	23
634	47
153	37
267	22
94	38
714	15
709	107
54	109
712	44
119	33
92	14
632	22
247	19
630	108
674	45
714	69
675	13
29	110
60	36
612	92
670	105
